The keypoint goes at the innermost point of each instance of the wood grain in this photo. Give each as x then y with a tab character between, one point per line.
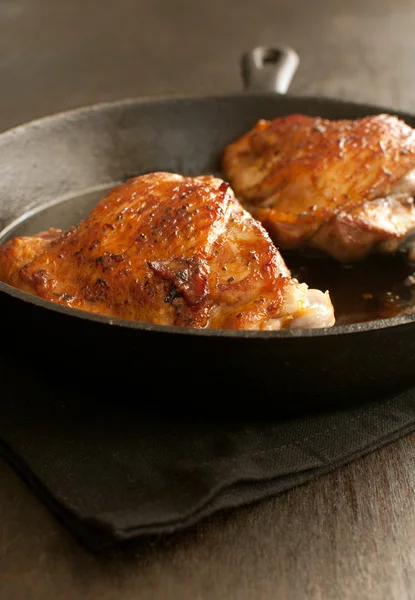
58	55
348	535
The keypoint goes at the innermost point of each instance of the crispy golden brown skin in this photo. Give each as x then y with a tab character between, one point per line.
338	186
169	250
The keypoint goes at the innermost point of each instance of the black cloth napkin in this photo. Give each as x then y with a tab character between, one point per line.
112	472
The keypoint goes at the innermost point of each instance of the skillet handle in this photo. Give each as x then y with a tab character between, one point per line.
269	69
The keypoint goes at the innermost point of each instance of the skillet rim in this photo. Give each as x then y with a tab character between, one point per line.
353	328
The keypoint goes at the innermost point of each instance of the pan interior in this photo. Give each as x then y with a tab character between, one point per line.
62	214
71	160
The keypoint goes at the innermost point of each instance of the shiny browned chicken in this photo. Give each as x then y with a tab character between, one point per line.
170	250
343	187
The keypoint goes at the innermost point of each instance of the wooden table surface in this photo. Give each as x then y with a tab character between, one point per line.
348	535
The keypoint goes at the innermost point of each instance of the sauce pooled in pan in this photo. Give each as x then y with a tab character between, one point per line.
376	288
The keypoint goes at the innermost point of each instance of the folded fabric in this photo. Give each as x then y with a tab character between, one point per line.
111	471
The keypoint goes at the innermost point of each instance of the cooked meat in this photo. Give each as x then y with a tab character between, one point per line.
343	187
170	250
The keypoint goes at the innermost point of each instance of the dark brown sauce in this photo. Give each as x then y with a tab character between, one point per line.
378	287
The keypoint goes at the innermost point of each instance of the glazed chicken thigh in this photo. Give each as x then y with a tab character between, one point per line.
342	187
169	250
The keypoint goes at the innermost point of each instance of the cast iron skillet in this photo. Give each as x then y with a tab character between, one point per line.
67	161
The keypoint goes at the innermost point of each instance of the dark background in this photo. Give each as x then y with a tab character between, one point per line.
58	54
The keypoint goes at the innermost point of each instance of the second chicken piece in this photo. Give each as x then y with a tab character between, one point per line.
343	187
